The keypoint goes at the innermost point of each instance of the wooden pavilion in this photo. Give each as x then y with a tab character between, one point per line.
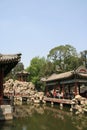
7	62
69	83
22	75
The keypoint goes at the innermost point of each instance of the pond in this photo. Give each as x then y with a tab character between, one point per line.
37	117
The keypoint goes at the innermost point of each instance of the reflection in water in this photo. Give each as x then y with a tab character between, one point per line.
6	125
36	117
80	122
24	128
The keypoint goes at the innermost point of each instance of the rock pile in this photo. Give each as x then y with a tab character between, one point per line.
79	104
20	89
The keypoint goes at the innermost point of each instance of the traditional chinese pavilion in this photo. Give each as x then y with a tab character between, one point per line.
22	75
74	81
7	62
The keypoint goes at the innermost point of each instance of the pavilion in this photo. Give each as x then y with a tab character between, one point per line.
71	82
7	63
22	76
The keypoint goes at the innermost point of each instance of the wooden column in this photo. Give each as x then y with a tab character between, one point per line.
63	90
58	87
1	85
76	88
46	90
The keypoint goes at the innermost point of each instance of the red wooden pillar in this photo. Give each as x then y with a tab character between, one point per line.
1	85
76	88
63	90
46	90
58	87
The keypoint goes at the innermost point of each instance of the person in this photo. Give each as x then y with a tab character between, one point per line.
48	94
61	95
58	95
54	94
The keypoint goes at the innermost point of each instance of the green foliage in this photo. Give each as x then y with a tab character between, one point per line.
39	67
83	57
48	69
12	75
60	59
64	56
34	69
18	67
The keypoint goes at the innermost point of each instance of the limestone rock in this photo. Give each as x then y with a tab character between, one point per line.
20	89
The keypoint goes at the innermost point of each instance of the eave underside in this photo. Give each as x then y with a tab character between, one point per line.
8	62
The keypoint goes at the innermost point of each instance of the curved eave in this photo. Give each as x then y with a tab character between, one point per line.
10	58
60	76
22	73
82	75
8	62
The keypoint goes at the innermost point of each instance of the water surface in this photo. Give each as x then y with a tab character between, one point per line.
35	117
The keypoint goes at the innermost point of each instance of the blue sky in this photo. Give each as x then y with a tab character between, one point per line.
34	27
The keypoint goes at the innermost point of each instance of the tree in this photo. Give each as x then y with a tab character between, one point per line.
39	68
65	57
48	69
84	57
35	70
19	67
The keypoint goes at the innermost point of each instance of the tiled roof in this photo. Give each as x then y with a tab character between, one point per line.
23	72
8	62
82	74
60	76
9	58
65	75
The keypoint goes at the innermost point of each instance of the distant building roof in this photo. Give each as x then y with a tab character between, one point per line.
82	72
23	72
59	76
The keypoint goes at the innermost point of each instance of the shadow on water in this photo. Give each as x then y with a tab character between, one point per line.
4	125
1	117
44	117
5	114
